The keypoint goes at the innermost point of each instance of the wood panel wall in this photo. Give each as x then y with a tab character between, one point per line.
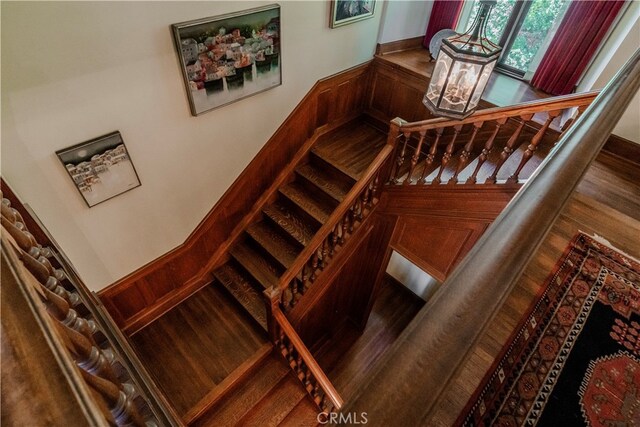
153	289
436	227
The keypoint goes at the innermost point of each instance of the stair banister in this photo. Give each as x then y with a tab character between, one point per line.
494	113
418	368
329	226
279	329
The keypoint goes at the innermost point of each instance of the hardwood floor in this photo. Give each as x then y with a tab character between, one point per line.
350	355
197	344
606	203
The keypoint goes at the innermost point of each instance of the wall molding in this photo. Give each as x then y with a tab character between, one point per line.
137	299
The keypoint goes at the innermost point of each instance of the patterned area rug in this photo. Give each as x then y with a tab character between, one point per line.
575	358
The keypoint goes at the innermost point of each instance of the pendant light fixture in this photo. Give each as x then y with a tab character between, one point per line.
462	69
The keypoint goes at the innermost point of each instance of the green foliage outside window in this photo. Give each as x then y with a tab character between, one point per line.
539	20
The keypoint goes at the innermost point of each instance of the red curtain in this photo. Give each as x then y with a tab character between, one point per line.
444	14
584	26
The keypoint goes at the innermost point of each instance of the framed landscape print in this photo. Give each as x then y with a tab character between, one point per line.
229	57
100	168
346	11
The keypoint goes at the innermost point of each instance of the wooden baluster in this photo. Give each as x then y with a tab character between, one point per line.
294	292
58	308
334	239
430	157
533	145
352	218
400	159
305	276
345	228
41	274
392	139
120	404
316	392
466	152
415	158
298	367
359	213
375	186
314	266
447	155
486	150
325	253
572	120
508	148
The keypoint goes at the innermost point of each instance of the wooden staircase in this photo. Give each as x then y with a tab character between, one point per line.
286	225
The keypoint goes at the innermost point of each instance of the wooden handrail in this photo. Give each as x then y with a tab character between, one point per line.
432	349
531	107
312	365
335	217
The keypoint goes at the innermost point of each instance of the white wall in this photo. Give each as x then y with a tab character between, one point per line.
411	276
622	42
404	20
75	70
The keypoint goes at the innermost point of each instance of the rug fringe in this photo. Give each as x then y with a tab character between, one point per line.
608	244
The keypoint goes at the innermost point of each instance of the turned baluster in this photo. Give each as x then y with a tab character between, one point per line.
334	239
400	159
314	266
41	274
430	157
508	148
486	150
415	158
358	209
533	145
294	292
298	367
281	342
466	152
352	218
290	355
325	253
316	392
12	222
307	379
375	186
447	154
345	228
119	402
59	309
306	275
392	140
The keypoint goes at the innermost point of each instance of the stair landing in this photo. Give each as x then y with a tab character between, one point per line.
192	348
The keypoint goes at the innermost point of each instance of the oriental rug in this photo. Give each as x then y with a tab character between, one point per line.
574	360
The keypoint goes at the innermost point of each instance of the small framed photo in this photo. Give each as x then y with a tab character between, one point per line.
345	12
100	168
229	57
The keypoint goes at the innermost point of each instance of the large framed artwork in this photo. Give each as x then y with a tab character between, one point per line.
229	57
347	11
100	168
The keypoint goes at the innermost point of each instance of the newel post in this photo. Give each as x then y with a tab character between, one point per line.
388	171
272	299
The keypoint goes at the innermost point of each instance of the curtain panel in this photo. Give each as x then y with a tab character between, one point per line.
583	28
444	15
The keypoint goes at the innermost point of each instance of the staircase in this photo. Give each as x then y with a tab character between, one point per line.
287	224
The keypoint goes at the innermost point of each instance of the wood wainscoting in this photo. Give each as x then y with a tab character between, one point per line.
150	291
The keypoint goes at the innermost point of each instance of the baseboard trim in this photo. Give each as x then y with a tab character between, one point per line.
399	45
623	148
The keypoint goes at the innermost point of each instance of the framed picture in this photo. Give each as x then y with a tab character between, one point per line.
100	168
345	12
229	57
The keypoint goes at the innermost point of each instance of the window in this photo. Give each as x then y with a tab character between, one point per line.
522	27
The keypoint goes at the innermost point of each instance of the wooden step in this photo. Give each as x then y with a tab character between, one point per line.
235	405
277	404
268	236
289	221
239	285
323	180
304	414
230	383
264	271
313	207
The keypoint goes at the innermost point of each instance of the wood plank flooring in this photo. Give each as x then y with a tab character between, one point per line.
193	347
607	203
350	355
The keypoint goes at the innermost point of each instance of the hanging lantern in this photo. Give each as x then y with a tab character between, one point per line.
462	69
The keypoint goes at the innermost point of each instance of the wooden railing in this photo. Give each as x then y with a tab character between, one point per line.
424	162
334	233
104	385
299	358
418	368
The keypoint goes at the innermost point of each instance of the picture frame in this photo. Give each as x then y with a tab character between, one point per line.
229	57
345	12
100	168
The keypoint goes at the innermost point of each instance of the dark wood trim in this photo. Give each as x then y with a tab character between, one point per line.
399	45
142	296
623	148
